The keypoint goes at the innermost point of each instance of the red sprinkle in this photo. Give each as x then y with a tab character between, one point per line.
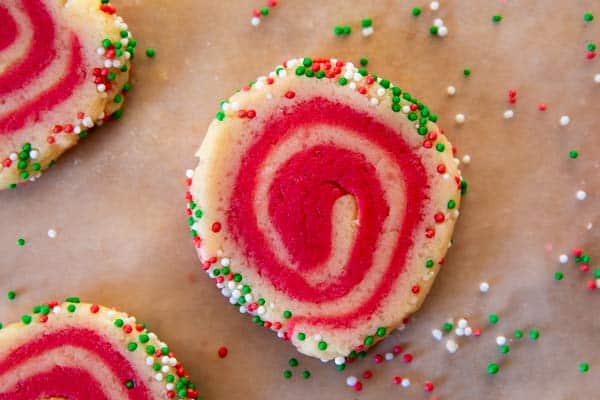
407	358
367	374
216	227
290	94
542	107
428	386
397	380
358	386
94	308
591	285
577	252
397	349
222	352
378	358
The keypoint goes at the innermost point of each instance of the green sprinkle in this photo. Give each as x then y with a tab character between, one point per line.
497	18
364	61
237	277
584	367
451	204
287	314
293	362
71	308
11	295
493	318
448	326
504	349
119	323
132	346
416	11
36	166
433	30
381	331
558	275
338	30
347	30
518	334
384	83
143	338
118	98
264	11
150	350
466	72
287	374
26	319
220	116
429	263
322	345
493	368
45	309
368	340
129	384
573	154
534	334
597	273
463	187
307	62
588	17
36	309
301	336
365	23
440	147
21	242
106	43
340	367
343	81
591	46
306	374
72	300
150	52
300	70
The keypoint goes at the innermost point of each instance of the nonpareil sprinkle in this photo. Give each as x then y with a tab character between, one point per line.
11	295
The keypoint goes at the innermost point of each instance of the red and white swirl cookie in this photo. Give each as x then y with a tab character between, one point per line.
64	68
323	204
80	351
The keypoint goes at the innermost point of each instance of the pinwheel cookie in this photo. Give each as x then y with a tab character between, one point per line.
323	204
80	351
64	68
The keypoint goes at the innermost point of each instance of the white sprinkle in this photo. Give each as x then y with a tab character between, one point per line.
158	377
170	386
597	282
374	101
442	31
437	334
116	63
124	42
77	130
446	177
235	106
269	96
339	360
405	109
380	92
484	287
438	22
317	337
466	159
87	122
581	195
405	382
434	5
351	381
459	332
243	309
165	369
226	292
101	51
164	360
589	226
282	73
255	21
563	259
34	154
368	31
51	233
459	118
358	77
101	87
352	85
388	356
225	262
462	323
500	340
108	63
597	78
468	331
451	346
149	360
13	156
565	120
508	114
56	309
189	173
127	55
451	90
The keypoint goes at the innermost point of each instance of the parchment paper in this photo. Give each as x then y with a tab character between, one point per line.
117	199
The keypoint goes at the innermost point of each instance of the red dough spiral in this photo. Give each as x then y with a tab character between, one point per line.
300	203
39	56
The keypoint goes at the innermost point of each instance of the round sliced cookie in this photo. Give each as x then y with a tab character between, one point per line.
85	351
64	68
323	204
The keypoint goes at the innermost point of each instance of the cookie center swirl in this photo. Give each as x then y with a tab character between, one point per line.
302	202
8	28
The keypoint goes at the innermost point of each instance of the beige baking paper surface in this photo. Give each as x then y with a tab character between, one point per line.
117	200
